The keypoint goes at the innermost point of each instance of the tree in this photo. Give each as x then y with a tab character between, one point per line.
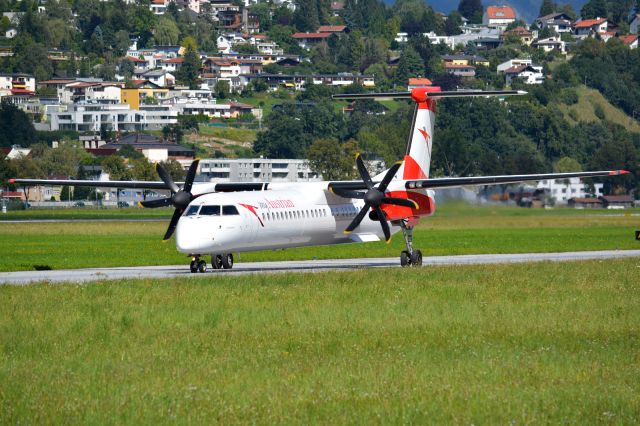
64	160
142	169
453	23
81	192
27	168
470	9
305	17
334	161
15	126
567	165
190	69
548	7
175	169
167	32
221	89
409	65
594	9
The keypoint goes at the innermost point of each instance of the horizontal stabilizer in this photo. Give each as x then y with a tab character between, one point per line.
431	95
457	182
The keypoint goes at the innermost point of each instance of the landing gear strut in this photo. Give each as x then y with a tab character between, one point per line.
197	265
409	257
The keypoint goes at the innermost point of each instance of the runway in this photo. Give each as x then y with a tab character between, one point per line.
182	271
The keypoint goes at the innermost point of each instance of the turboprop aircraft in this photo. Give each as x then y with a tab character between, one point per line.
219	219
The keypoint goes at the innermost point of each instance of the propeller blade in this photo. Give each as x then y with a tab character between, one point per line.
385	225
389	176
160	202
405	202
356	220
166	178
172	225
346	193
191	175
364	173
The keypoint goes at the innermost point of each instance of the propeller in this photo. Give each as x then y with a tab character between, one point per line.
374	197
180	198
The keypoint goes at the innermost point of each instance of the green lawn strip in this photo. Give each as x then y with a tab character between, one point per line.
531	343
87	213
31	246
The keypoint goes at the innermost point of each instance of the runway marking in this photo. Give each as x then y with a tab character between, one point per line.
173	271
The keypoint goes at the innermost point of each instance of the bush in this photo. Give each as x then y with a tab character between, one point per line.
569	97
598	111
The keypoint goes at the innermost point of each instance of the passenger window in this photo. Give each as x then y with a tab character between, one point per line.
192	211
229	210
210	211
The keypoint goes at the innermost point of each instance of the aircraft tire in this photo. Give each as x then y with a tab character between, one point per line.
202	266
193	267
216	261
405	259
416	258
227	261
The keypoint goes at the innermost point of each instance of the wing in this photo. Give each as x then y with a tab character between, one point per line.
138	184
456	182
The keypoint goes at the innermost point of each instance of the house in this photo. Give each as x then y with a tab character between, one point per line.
499	17
307	40
460	70
465	60
528	73
333	29
550	44
629	40
635	23
617	201
256	170
524	35
171	64
151	147
134	97
487	43
158	7
558	22
436	39
160	77
336	8
584	203
590	27
512	63
418	82
18	83
562	190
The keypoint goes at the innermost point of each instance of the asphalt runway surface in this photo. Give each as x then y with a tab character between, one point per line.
182	271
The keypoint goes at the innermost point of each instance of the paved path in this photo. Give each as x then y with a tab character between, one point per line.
94	274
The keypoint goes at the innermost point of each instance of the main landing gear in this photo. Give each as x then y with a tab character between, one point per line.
409	257
218	261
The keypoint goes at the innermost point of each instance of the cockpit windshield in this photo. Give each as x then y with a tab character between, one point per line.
212	211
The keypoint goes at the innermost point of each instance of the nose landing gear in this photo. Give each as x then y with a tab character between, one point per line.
197	265
409	257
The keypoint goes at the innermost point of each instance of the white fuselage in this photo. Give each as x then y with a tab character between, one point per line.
289	215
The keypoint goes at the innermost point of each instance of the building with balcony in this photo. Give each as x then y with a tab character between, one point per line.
256	170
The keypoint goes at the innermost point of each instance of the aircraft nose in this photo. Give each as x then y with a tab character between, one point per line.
190	238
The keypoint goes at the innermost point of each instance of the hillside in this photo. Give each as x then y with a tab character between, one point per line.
585	110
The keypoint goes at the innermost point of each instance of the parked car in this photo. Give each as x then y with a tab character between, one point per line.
78	204
122	204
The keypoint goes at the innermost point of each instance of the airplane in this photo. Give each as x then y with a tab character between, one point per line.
219	219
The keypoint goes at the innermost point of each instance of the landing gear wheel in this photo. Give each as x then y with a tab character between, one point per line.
227	261
405	260
202	266
193	266
416	258
216	261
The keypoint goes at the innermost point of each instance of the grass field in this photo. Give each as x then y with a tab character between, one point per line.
455	229
521	344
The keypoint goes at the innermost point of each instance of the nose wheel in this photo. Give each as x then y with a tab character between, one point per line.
198	265
409	257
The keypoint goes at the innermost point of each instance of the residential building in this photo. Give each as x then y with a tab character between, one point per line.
630	40
524	35
512	63
590	27
460	70
92	117
134	97
297	81
550	44
17	84
564	189
256	170
151	147
418	82
465	60
488	43
635	23
617	201
308	40
436	39
499	17
529	74
158	7
558	22
160	77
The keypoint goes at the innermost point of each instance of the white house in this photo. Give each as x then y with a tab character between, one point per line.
513	63
564	189
529	74
635	23
590	27
630	40
160	78
551	43
499	17
558	22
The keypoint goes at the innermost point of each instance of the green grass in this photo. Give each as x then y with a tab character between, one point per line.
455	229
524	344
133	213
229	133
585	110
